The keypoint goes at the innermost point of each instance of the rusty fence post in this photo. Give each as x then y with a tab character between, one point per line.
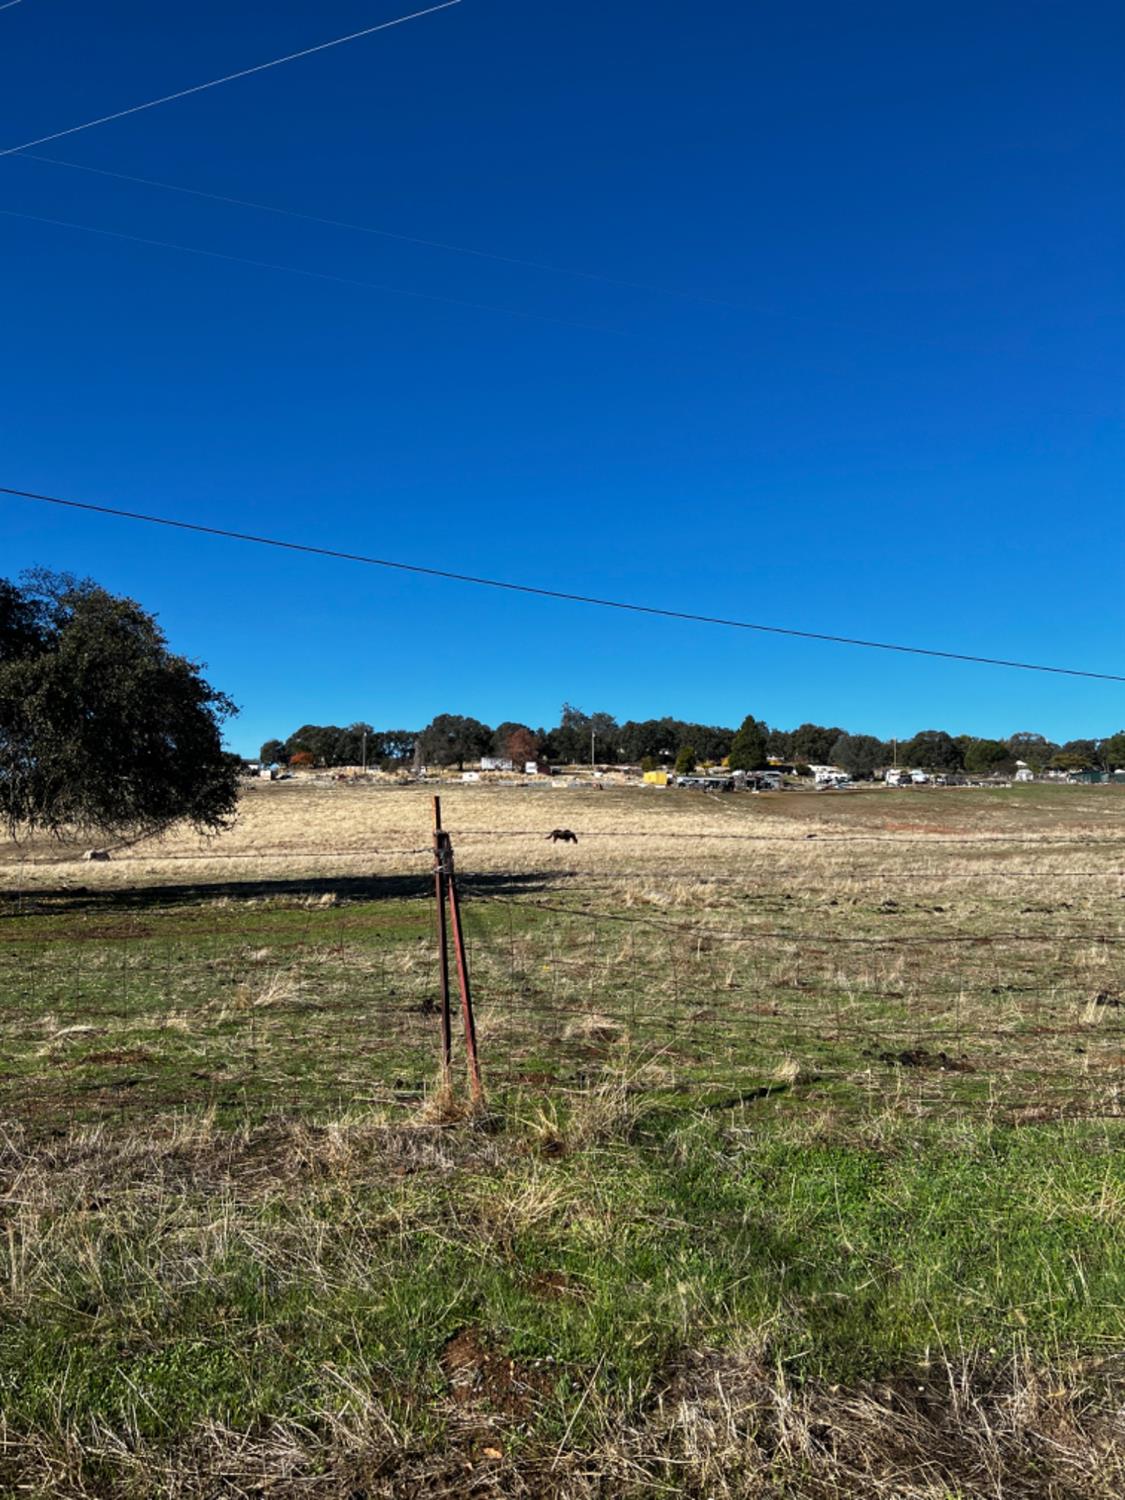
443	950
445	890
475	1085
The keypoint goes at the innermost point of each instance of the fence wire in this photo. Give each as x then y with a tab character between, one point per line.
755	982
317	1008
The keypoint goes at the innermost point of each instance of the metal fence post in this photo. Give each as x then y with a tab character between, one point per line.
443	949
475	1084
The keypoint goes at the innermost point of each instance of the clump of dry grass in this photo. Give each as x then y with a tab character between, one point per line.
720	1426
608	1110
731	1426
594	1029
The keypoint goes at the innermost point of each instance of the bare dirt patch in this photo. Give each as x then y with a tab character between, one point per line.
483	1377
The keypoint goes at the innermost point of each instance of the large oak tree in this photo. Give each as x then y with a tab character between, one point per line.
104	729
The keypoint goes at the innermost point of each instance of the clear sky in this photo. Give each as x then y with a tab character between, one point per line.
846	354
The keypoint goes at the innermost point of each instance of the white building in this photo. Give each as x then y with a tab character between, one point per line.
828	775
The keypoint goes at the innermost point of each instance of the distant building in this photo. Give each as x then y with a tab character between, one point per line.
1023	771
828	775
497	763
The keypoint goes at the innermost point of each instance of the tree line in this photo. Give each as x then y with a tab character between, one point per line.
103	727
598	738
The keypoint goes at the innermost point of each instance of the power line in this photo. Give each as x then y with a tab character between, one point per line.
548	593
268	265
543	593
214	83
390	234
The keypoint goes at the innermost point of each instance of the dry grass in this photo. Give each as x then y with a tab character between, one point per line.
292	830
710	1420
722	1428
897	1176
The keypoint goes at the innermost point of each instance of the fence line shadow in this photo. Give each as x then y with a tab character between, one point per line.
346	888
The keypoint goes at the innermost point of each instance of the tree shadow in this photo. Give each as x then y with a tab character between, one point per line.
63	900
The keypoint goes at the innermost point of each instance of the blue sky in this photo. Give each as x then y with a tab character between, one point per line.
847	355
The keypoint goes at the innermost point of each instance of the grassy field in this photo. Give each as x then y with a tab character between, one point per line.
800	1172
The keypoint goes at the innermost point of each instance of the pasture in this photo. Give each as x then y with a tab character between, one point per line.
799	1174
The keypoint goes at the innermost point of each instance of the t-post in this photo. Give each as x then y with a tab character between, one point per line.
445	890
443	949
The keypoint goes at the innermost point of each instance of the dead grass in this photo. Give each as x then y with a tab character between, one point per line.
658	959
292	830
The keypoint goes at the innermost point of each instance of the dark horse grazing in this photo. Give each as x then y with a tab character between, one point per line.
563	834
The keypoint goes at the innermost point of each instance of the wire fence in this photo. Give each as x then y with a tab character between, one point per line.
317	1005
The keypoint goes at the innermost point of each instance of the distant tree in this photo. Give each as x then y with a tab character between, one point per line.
813	743
376	747
932	750
658	739
571	739
710	742
648	764
779	744
1065	762
1033	749
859	754
313	740
503	733
521	745
302	759
1113	750
989	757
636	740
452	739
272	753
102	727
748	749
685	761
356	744
398	744
607	737
1089	750
515	741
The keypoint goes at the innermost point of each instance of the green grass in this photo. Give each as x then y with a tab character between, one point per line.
205	1293
774	1215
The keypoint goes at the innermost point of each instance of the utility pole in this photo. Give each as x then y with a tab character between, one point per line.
895	744
365	752
593	736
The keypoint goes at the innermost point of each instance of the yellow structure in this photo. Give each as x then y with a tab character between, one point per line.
656	778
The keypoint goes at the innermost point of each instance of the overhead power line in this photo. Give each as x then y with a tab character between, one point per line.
392	234
214	83
544	593
331	276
